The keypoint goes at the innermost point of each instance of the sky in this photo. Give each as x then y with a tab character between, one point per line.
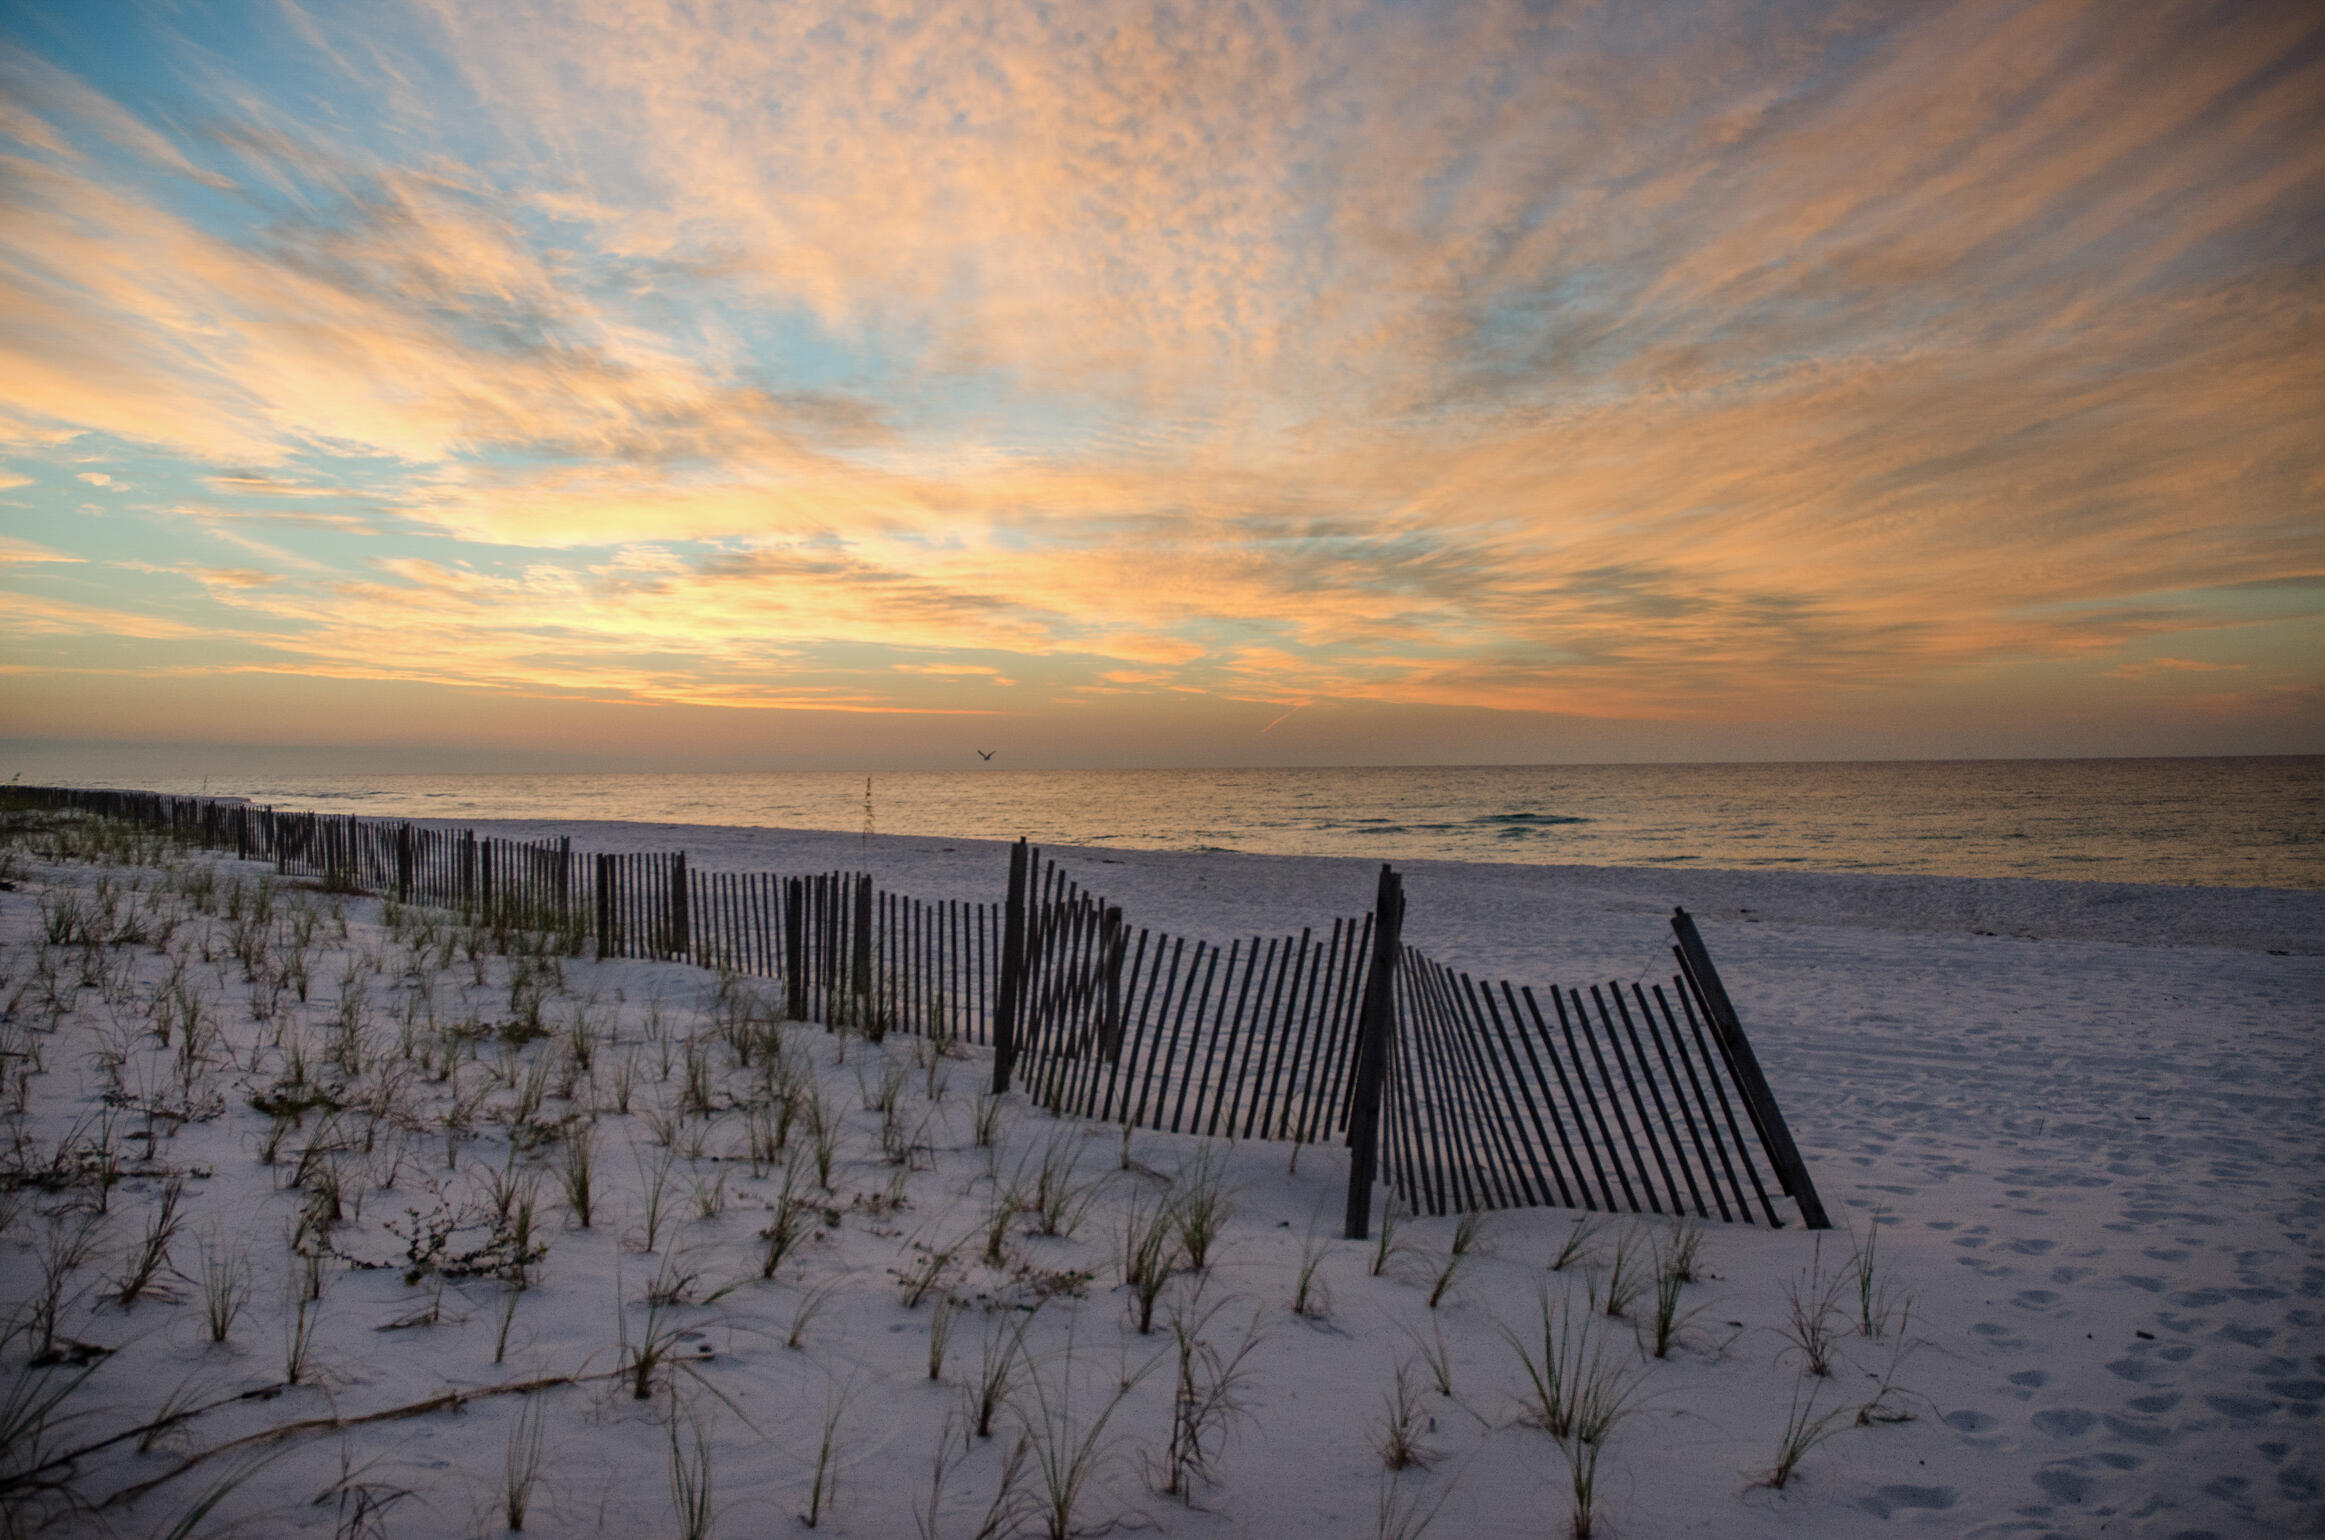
837	385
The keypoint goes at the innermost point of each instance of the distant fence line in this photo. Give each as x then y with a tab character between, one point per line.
1459	1094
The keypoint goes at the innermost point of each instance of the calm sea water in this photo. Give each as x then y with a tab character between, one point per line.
2218	822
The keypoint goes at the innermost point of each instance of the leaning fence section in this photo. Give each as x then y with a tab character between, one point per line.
1462	1094
1249	1040
1613	1098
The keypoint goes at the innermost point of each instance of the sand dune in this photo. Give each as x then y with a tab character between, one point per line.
2085	1118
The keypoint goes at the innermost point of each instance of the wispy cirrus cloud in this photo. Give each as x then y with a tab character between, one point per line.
1643	361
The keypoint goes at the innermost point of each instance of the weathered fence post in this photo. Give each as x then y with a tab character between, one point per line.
675	944
605	904
404	839
1374	1026
860	970
1005	1000
1783	1154
1111	945
795	949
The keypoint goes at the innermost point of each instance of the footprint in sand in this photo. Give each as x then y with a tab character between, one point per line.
2240	1409
1971	1423
2154	1435
2197	1299
2065	1422
2302	1396
1999	1337
1887	1500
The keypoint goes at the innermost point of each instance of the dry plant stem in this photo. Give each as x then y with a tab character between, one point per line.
522	1469
940	1333
31	1413
804	1313
1000	1212
1386	1246
985	1119
1812	1314
1398	1517
1878	1409
690	1474
1005	1515
656	1177
1581	1242
299	1337
1873	1301
190	1521
1202	1203
1454	1261
1060	1200
824	1486
577	1173
152	1254
1436	1356
510	1294
66	1246
924	1276
1068	1454
1399	1437
1206	1401
781	1234
225	1285
1803	1431
823	1129
1582	1472
924	1519
1620	1289
1311	1296
1148	1255
175	1408
1573	1391
999	1364
1680	1256
449	1401
1674	1266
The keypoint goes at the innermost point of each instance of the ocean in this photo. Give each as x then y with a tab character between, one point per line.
2249	822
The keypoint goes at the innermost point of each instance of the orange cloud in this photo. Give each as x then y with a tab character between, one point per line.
1614	363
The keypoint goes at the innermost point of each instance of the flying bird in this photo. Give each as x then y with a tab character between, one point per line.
984	753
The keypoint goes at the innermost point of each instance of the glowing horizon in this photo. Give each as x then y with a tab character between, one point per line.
1324	382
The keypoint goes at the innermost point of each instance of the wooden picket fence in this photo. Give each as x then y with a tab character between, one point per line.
1459	1094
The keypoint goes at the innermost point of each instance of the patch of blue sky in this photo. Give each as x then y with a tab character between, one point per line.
155	510
208	77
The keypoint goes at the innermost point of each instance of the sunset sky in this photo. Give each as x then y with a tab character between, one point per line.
854	384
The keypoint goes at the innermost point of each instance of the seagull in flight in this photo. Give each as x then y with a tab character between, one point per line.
984	753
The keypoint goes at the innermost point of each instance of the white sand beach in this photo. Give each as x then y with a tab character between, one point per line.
2073	1134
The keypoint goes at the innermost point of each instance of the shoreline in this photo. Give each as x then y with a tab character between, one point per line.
1245	892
